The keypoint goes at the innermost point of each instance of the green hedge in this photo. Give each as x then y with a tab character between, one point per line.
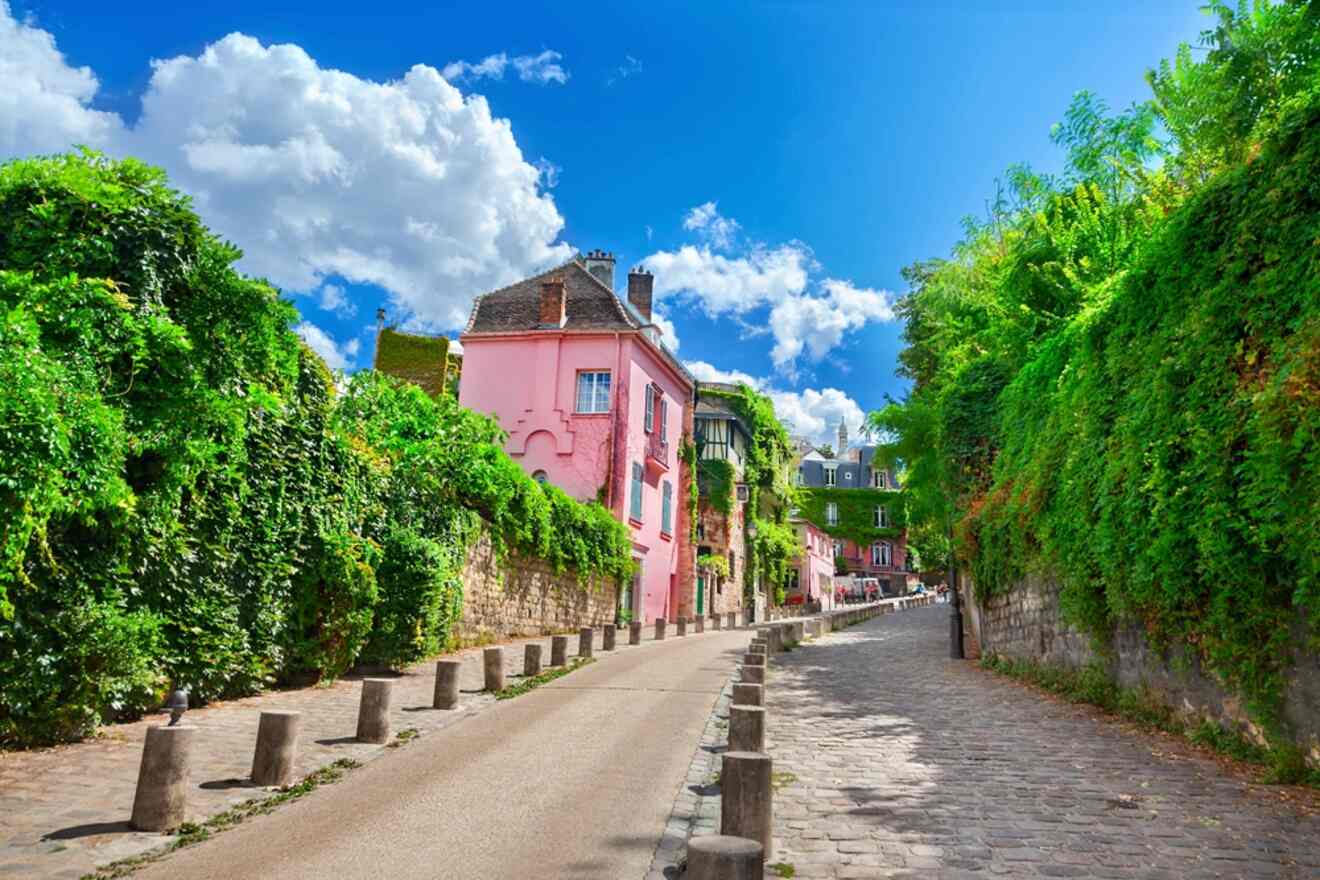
184	494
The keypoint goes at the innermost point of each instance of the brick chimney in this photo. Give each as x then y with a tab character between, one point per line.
601	265
640	283
552	302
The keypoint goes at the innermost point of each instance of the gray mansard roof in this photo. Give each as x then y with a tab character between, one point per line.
849	475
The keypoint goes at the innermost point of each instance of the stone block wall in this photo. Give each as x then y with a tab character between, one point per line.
1027	623
517	596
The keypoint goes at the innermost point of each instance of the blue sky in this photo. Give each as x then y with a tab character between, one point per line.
832	143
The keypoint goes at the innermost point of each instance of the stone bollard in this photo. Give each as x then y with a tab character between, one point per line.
753	674
532	660
277	748
446	684
774	640
748	694
754	659
493	661
682	627
635	632
813	629
747	617
799	632
558	650
586	635
659	629
607	638
745	809
700	624
161	800
374	710
746	729
715	622
722	857
732	619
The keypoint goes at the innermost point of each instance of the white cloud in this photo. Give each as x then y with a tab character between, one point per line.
455	347
629	68
807	318
708	222
549	172
333	299
810	413
408	184
543	68
667	332
322	343
44	102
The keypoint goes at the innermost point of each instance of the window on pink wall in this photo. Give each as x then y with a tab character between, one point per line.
593	391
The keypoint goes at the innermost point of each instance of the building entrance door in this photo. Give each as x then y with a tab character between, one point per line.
701	595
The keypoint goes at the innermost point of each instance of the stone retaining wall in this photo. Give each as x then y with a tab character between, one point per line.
517	596
1027	623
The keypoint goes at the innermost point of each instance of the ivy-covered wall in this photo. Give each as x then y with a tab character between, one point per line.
422	360
856	507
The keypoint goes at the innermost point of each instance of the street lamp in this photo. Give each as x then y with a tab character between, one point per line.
955	607
177	704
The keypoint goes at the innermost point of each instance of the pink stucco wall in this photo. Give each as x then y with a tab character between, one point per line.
528	382
815	564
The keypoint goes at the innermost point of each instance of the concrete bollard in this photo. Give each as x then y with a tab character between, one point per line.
586	636
753	674
162	788
700	624
682	627
532	660
715	620
492	659
277	748
732	619
722	857
446	684
749	694
607	638
635	632
746	729
745	793
374	710
659	629
754	659
558	650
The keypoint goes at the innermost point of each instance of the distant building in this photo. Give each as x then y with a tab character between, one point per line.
812	580
722	441
595	404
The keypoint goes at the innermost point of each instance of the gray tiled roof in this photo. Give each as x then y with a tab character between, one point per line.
589	304
850	474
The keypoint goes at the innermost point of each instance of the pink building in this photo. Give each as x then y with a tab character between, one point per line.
594	404
812	579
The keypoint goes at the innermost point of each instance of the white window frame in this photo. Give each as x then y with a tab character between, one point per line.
882	554
878	479
831	513
831	476
597	398
881	516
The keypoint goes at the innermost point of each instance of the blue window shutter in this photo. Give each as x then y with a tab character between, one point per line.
666	508
637	492
648	418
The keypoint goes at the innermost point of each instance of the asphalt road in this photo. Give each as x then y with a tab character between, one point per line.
575	779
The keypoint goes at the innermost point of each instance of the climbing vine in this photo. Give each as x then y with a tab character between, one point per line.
856	513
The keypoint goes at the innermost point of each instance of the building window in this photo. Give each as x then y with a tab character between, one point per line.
636	512
666	508
881	554
881	517
878	479
541	477
847	475
838	549
830	476
593	392
831	513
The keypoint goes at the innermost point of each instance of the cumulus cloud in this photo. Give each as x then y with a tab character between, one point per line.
807	318
711	225
549	172
333	299
543	68
667	332
335	357
408	184
810	413
45	102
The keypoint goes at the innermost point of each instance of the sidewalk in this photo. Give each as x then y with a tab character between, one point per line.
64	810
897	762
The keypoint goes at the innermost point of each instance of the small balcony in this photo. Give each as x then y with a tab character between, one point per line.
657	453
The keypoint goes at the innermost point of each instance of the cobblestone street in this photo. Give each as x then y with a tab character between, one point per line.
894	761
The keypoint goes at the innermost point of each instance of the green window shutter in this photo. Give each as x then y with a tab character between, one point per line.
666	508
636	492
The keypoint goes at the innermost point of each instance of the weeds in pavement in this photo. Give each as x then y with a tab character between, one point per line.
190	833
779	780
403	736
1284	763
549	675
783	869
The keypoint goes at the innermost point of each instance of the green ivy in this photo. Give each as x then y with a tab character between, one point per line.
715	564
716	479
856	509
